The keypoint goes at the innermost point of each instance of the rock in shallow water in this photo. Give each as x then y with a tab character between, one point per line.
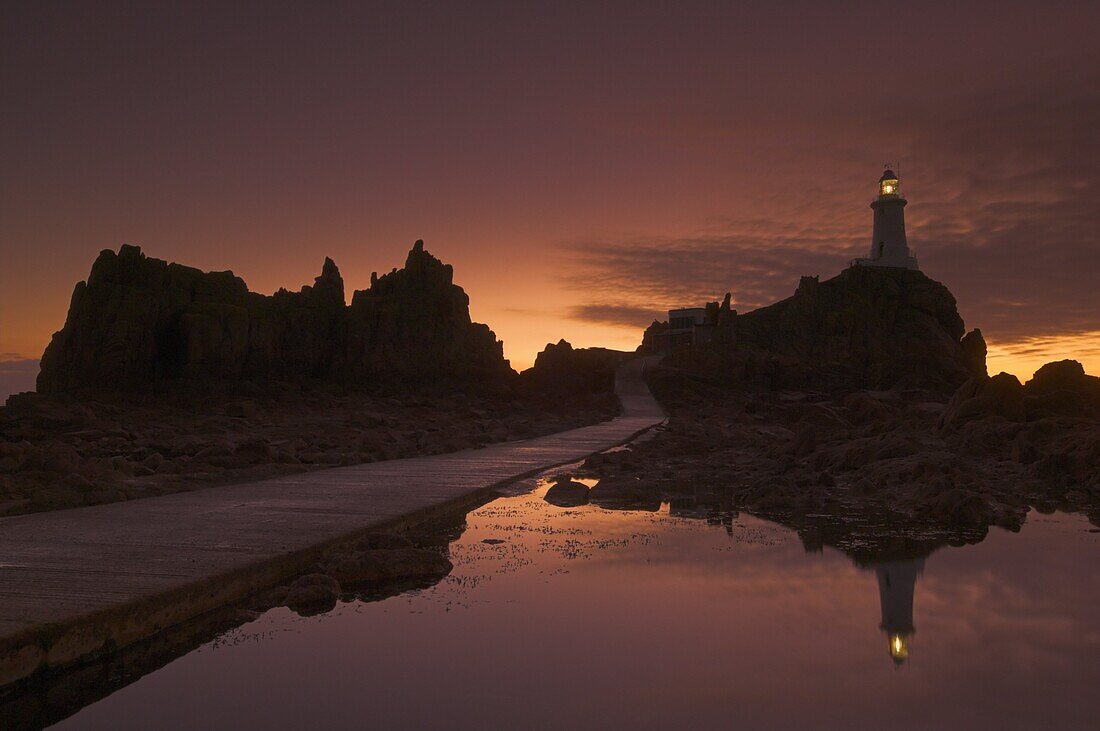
313	594
567	493
387	564
625	493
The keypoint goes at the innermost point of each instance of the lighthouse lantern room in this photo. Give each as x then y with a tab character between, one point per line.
888	245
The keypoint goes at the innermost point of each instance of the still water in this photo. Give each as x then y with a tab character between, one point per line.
681	617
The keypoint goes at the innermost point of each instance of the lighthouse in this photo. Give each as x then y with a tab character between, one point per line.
888	245
897	582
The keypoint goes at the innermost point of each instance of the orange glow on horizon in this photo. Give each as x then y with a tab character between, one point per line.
1022	358
526	332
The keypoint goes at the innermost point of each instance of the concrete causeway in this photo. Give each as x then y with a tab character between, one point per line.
78	582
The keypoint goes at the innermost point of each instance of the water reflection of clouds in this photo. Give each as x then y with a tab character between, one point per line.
744	626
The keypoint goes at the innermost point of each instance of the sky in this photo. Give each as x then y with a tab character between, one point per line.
583	166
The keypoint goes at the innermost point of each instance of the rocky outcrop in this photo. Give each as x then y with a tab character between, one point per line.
979	398
654	338
376	566
139	320
1064	376
313	594
563	368
1057	390
869	327
873	326
867	464
373	567
974	352
416	321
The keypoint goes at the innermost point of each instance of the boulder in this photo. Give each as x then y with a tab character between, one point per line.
1000	396
561	367
567	493
380	565
254	449
974	352
625	493
314	593
1063	388
654	338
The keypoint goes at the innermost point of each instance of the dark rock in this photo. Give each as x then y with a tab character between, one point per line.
1002	396
1058	375
242	410
56	498
73	481
138	320
654	338
869	327
254	449
387	564
313	594
382	540
566	493
561	367
625	493
154	461
804	443
974	353
414	323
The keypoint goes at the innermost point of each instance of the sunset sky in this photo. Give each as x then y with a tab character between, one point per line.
583	166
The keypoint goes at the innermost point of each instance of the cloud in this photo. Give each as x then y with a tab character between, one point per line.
652	275
1002	192
17	374
1028	354
621	315
1016	223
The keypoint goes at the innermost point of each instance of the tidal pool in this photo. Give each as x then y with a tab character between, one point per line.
681	617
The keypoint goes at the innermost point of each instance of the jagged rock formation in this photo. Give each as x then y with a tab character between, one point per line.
877	326
139	320
561	367
974	352
866	328
654	338
1058	389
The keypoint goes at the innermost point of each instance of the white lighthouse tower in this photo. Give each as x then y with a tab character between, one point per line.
897	583
888	245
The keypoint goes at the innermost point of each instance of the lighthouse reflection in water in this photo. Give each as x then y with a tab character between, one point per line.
897	582
588	604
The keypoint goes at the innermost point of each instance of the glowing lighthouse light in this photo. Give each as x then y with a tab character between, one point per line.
889	247
899	647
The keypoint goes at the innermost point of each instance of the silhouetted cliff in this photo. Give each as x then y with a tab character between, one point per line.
138	320
869	327
562	368
880	325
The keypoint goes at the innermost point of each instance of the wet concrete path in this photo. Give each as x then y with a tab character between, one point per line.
73	582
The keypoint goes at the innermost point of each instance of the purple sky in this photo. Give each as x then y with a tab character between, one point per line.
583	166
